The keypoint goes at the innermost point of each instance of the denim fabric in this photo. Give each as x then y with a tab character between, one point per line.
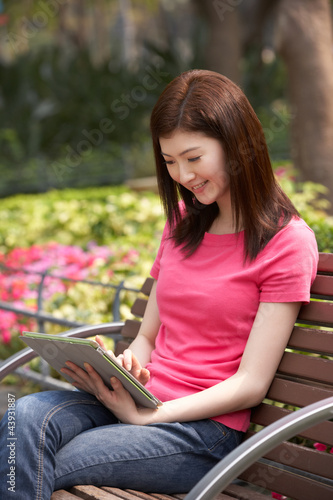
65	438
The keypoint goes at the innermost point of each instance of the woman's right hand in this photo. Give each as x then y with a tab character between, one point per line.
131	363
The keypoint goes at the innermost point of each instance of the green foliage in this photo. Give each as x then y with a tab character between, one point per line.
51	100
116	214
66	122
308	197
106	215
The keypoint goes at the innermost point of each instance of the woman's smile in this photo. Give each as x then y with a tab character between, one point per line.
199	185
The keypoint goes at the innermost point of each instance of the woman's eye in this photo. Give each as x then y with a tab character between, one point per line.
194	159
169	162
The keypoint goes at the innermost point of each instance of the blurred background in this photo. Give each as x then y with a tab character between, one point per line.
78	79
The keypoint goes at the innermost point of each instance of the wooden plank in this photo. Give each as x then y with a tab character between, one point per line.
121	346
126	494
137	495
161	496
316	313
303	458
325	263
131	328
309	339
147	286
322	286
287	483
88	492
139	307
63	495
295	393
243	493
309	367
265	414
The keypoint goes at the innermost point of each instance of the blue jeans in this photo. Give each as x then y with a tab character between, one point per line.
64	438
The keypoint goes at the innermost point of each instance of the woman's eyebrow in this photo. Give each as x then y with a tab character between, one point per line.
184	152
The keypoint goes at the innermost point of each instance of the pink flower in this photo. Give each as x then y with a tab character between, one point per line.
6	336
7	319
21	289
320	447
18	288
278	496
280	172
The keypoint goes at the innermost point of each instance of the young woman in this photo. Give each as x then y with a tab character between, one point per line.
234	265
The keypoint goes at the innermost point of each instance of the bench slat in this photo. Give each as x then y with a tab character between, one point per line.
147	286
139	307
322	286
120	347
303	339
241	493
317	313
285	482
265	414
312	368
325	263
138	495
88	492
63	495
131	328
127	494
296	393
303	458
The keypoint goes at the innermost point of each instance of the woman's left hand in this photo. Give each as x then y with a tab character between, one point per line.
119	401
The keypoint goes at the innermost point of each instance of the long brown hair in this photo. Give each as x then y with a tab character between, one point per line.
207	102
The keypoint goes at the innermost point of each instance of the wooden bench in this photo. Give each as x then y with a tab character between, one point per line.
304	380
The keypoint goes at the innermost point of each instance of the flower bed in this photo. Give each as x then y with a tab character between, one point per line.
64	298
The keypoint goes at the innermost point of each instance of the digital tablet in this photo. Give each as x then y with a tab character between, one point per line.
57	350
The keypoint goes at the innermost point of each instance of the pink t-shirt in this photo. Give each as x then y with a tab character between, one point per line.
208	302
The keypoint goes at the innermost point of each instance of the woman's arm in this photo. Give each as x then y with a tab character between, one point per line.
264	349
262	355
263	352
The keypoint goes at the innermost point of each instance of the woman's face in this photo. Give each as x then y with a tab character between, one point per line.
198	163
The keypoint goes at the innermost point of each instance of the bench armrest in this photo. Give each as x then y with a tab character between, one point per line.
256	446
22	357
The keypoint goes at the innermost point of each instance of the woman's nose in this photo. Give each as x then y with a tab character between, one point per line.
186	174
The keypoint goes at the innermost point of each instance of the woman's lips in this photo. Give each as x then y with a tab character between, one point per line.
199	185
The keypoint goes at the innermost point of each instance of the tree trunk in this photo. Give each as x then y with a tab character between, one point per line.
223	50
304	40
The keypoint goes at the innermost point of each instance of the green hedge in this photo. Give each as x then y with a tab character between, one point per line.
105	215
120	216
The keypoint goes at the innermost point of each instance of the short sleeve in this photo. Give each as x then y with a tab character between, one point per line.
288	264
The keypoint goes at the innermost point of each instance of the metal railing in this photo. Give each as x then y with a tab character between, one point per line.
43	317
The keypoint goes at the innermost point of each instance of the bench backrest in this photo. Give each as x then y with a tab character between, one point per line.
305	375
